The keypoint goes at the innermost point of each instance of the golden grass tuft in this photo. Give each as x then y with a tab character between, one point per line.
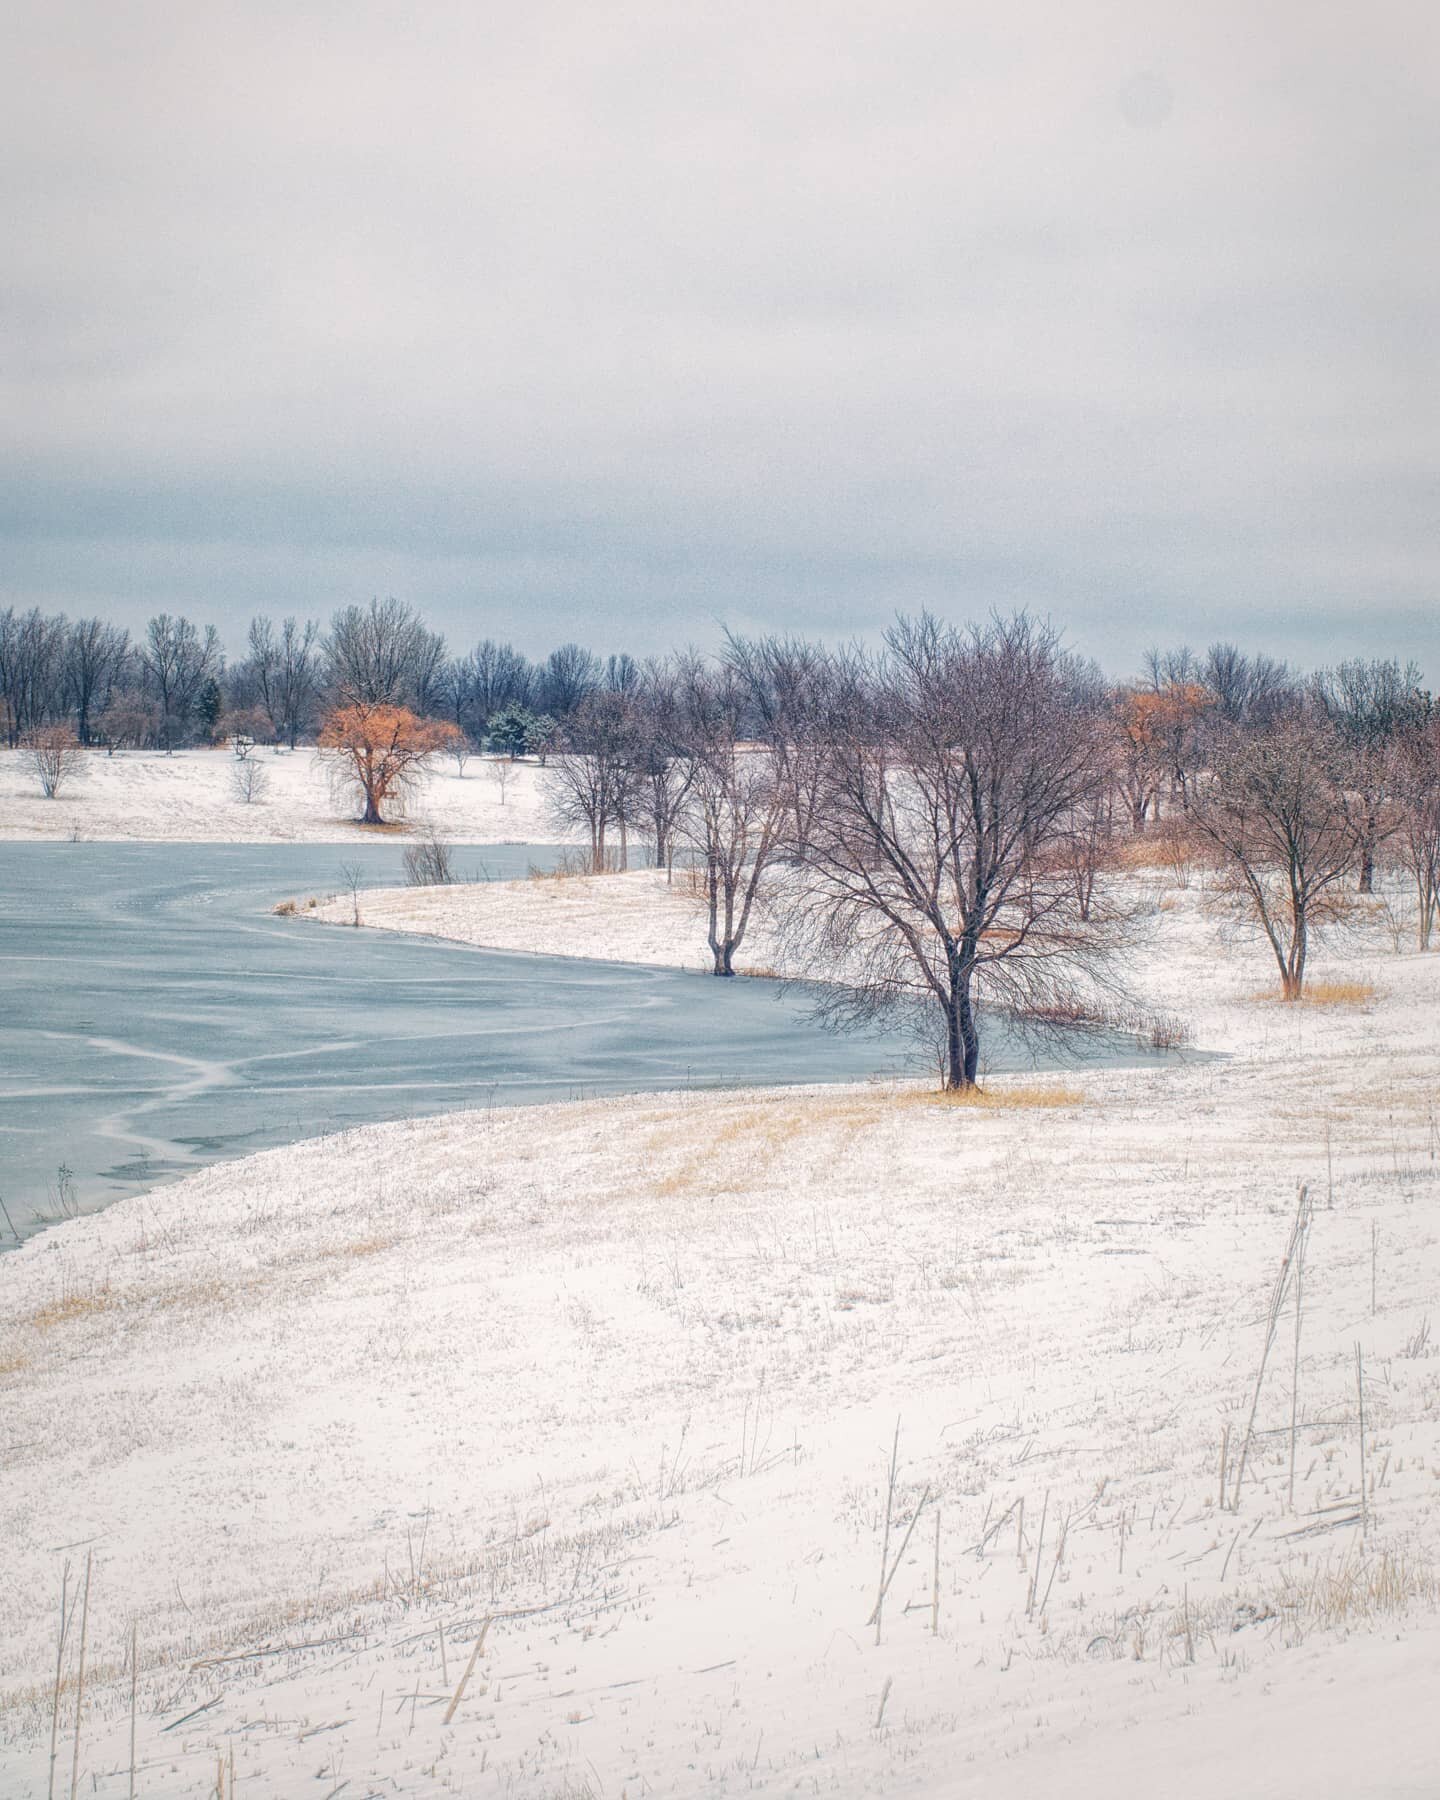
1147	853
1341	993
994	1099
13	1363
1325	993
71	1306
370	1246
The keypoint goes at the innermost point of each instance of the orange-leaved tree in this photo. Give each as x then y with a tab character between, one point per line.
378	752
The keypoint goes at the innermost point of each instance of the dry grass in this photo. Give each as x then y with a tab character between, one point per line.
1341	993
1147	853
994	1099
71	1306
1325	993
13	1363
370	1246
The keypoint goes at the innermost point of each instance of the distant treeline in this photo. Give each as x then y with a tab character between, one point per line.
172	686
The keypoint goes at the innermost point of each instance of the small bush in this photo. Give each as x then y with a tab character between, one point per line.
427	864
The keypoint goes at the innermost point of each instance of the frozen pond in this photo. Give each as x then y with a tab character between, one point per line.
155	1016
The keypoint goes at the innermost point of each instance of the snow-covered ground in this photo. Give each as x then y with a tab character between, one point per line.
189	797
640	917
623	1379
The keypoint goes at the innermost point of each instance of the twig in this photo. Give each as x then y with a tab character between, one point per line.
134	1673
80	1678
899	1558
1039	1547
59	1666
884	1696
469	1670
1295	1367
1298	1228
885	1543
1360	1391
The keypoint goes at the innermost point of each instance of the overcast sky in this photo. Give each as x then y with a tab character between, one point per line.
614	321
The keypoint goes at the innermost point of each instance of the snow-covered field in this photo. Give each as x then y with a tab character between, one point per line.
623	1380
189	797
640	917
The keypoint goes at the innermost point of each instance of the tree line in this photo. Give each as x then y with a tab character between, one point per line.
172	685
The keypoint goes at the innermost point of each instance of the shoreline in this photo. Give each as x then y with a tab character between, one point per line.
638	1360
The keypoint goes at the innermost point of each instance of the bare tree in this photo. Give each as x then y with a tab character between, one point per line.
786	686
587	786
1277	806
490	679
663	773
249	780
297	679
178	661
130	720
1415	781
499	769
55	754
735	807
95	659
571	674
954	766
383	655
32	657
1248	690
1370	704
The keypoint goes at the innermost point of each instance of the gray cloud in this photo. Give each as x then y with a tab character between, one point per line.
613	322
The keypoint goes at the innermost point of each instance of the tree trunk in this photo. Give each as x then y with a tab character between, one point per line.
962	1039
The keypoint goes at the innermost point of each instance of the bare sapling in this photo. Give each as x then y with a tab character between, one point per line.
498	771
55	754
351	874
1294	1251
1277	808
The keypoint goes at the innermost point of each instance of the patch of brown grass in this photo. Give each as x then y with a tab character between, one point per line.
71	1306
994	1099
1147	853
1341	993
370	1246
12	1363
1325	993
